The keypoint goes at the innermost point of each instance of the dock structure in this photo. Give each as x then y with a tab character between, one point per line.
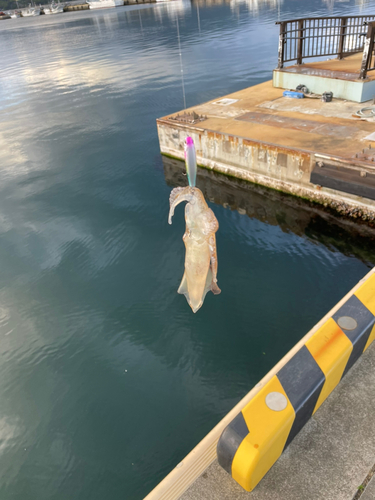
328	443
308	38
321	151
72	6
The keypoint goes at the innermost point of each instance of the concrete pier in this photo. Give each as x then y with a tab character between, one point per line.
73	7
312	149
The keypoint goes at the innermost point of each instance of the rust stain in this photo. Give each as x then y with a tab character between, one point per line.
281	150
305	165
311	126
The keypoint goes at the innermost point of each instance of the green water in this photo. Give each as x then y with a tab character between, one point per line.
107	379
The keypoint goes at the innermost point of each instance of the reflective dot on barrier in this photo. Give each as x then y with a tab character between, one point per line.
276	401
347	323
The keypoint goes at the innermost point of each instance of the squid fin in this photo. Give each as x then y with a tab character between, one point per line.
209	286
183	288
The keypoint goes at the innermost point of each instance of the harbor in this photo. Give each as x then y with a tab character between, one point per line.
61	7
108	379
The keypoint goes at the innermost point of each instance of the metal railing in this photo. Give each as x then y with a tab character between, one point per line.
321	36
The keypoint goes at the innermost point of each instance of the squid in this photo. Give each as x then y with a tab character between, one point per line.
200	274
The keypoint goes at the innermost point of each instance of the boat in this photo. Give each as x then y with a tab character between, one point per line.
16	13
104	4
32	10
54	8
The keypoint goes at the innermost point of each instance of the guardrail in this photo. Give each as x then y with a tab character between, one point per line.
323	36
265	426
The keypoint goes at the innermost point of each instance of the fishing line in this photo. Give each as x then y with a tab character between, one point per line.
140	20
182	70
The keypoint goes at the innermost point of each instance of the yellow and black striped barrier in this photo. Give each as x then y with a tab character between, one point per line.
257	436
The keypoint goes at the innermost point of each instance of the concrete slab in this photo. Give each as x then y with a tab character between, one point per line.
311	106
328	460
223	119
369	492
279	147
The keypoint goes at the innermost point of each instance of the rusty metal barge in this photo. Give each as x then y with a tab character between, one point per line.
318	150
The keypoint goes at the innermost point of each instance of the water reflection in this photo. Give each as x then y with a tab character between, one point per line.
331	3
272	207
361	3
255	5
176	7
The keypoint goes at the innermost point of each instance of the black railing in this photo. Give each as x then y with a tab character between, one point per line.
322	36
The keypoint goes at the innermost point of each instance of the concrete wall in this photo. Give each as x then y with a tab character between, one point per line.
254	157
357	91
284	169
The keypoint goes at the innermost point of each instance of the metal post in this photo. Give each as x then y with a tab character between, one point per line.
343	24
280	63
300	41
367	50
